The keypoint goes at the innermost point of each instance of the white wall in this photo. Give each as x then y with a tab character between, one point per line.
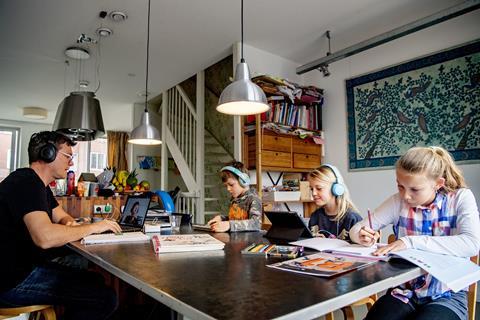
370	188
263	62
26	131
154	177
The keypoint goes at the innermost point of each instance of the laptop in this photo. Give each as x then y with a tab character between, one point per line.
134	213
287	225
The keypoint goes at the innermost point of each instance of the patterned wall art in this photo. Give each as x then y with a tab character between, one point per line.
149	162
433	100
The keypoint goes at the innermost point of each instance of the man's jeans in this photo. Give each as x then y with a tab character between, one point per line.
83	293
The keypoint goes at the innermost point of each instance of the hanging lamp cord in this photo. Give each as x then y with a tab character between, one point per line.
148	57
241	27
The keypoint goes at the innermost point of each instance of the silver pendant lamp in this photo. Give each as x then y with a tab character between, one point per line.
79	115
145	133
242	96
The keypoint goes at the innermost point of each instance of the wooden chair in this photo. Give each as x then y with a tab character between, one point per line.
472	295
36	311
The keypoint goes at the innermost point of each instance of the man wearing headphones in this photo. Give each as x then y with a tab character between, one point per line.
33	224
245	212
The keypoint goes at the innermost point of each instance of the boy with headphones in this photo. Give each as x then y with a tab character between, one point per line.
245	211
336	213
33	225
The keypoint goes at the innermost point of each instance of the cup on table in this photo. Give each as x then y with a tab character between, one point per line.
175	221
86	190
94	187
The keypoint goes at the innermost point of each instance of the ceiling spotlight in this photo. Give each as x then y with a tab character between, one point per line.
324	69
118	16
104	32
77	53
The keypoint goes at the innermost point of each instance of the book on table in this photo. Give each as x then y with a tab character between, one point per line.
185	242
322	264
340	247
115	238
455	272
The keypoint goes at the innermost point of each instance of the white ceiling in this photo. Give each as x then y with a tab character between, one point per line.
186	36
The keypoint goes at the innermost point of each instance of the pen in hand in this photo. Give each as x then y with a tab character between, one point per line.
369	219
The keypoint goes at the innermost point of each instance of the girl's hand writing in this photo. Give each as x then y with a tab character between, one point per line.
394	246
368	237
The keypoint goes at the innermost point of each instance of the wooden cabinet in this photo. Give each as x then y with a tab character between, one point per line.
282	153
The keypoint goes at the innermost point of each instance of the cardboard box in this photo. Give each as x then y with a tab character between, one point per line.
305	192
281	196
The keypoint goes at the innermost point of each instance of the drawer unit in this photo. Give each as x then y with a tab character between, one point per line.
306	161
276	143
276	159
305	146
287	153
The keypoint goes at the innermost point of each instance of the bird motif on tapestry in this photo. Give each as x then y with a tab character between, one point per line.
414	91
463	123
474	81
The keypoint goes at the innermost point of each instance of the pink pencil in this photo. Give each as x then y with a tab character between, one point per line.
370	219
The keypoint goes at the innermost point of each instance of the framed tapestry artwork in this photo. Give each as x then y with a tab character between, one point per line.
433	100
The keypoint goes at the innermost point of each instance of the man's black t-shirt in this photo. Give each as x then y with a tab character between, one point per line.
20	193
329	227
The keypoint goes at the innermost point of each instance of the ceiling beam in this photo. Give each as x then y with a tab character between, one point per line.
444	15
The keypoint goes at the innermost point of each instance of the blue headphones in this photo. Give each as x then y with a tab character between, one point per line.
243	178
338	188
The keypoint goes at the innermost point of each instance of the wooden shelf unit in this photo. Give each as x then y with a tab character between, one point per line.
281	152
270	151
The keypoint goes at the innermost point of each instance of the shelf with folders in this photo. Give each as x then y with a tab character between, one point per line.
291	104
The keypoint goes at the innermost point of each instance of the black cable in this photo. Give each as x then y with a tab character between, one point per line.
241	27
148	56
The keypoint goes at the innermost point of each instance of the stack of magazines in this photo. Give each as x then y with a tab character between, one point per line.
273	250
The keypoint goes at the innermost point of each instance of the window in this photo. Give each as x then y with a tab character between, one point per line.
9	147
98	161
90	156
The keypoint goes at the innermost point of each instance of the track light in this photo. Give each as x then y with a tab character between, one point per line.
324	69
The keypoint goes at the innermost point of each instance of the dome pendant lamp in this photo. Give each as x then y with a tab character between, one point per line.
242	96
145	133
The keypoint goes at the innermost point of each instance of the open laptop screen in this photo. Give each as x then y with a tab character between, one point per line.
287	225
135	211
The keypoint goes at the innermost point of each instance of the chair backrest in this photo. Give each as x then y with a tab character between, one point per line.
472	294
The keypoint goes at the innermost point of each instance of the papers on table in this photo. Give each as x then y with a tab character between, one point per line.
340	247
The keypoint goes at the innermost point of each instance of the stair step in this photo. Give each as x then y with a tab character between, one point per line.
212	213
213	186
211	199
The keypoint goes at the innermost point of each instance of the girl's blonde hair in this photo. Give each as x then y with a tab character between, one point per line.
434	162
343	202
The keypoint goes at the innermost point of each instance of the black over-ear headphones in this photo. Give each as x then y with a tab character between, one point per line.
47	150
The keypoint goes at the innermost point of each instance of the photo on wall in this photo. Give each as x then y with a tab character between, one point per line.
432	100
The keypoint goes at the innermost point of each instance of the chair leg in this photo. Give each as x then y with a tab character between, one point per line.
49	314
329	316
348	313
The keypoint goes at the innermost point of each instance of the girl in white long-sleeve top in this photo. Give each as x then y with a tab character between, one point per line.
432	211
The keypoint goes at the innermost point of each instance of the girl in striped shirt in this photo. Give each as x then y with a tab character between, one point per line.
432	211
